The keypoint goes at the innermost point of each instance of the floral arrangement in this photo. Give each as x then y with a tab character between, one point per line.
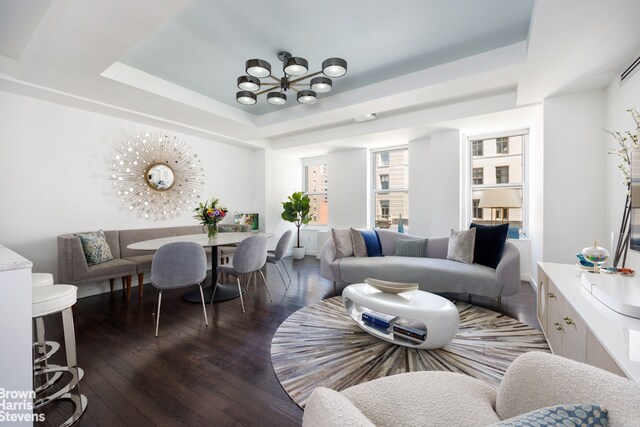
627	142
210	214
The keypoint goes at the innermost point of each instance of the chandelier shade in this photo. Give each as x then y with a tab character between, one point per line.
295	69
334	67
321	84
258	68
247	98
248	83
276	98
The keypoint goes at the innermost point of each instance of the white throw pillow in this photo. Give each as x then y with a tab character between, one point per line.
461	245
342	241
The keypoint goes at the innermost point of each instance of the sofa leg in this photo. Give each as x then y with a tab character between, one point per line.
499	302
128	288
335	289
140	285
112	284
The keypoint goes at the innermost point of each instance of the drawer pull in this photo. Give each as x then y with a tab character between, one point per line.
559	327
568	320
551	295
556	323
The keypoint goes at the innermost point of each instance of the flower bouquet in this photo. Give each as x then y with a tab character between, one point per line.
210	214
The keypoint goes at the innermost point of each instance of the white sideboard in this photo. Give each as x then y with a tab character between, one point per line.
580	327
15	334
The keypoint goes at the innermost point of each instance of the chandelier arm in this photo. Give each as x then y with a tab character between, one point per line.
294	89
267	90
274	78
308	76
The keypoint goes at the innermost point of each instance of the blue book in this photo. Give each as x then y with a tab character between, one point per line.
380	320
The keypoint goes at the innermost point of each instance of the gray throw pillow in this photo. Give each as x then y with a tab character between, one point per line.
461	245
342	242
95	247
413	248
359	247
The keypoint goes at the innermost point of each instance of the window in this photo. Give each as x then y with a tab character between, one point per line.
502	145
477	175
384	182
390	187
477	211
508	161
477	148
502	174
314	175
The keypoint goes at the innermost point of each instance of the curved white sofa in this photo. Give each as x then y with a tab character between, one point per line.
434	273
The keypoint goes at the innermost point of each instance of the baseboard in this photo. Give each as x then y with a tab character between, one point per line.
532	282
91	289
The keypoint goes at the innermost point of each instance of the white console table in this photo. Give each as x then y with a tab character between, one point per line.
580	327
15	327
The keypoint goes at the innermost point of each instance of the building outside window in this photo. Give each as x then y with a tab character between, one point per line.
314	175
502	174
506	155
476	147
502	145
390	187
478	174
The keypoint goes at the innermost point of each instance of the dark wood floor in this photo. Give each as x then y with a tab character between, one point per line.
193	374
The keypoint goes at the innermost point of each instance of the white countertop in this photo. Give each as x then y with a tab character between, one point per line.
10	260
619	334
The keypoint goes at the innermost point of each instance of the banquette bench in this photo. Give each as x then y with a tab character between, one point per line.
73	267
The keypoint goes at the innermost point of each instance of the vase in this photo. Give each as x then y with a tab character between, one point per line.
212	231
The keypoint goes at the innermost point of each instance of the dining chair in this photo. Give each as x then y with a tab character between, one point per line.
276	256
226	252
250	257
178	265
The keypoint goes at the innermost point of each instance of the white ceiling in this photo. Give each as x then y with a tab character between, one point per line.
420	65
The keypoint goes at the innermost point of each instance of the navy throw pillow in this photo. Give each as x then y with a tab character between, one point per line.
372	242
489	243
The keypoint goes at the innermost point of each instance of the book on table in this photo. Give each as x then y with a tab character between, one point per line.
377	319
412	330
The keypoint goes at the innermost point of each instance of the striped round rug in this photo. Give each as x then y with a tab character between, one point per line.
320	345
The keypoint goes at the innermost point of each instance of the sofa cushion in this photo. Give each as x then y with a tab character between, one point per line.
372	241
432	274
359	246
128	237
142	262
586	414
415	247
343	243
425	398
95	247
489	243
461	244
328	408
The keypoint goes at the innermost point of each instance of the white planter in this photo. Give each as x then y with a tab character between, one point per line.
298	252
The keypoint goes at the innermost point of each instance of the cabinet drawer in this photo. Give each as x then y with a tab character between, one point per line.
574	345
542	300
554	297
555	331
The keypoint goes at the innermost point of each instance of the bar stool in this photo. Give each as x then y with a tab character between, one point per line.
43	279
46	301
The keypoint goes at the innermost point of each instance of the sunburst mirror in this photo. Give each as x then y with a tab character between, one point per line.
157	176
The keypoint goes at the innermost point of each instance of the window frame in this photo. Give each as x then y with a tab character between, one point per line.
314	161
374	191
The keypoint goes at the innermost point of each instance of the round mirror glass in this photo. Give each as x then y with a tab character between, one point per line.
160	177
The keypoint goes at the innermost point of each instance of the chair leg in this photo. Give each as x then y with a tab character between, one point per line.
240	290
140	285
335	289
281	276
215	287
112	284
158	311
204	307
499	302
266	285
286	270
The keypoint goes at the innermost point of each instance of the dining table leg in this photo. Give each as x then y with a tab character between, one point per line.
223	293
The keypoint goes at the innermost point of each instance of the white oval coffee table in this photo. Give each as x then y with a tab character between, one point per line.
438	315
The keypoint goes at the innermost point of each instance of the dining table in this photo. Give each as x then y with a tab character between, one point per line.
225	291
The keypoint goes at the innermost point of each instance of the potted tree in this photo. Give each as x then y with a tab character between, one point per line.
296	210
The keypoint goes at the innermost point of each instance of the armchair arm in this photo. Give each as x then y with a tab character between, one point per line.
536	380
508	270
71	260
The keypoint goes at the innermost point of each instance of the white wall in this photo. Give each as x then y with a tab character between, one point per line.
618	100
573	188
435	184
535	203
347	184
54	169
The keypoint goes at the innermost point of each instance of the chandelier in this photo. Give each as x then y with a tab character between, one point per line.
294	69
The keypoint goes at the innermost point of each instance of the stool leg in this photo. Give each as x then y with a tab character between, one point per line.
69	339
42	346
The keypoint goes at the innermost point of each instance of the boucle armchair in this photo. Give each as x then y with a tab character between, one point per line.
534	380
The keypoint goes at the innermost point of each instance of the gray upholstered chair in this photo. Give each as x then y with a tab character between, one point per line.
178	265
227	252
276	256
250	257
